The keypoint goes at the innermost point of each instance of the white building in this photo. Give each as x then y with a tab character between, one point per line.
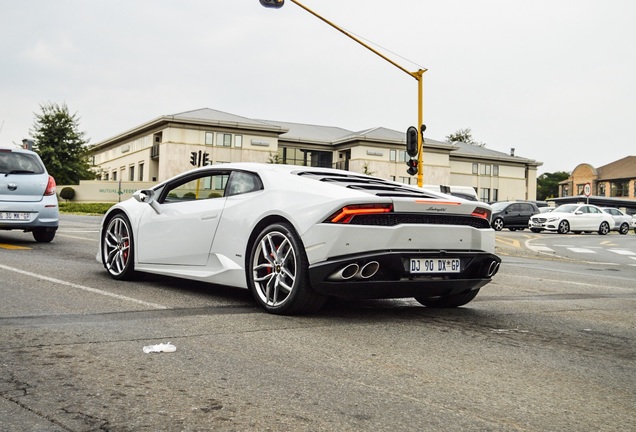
162	148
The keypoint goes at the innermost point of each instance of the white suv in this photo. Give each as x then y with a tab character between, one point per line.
27	195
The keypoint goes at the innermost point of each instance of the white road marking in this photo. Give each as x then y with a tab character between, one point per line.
622	252
581	250
84	288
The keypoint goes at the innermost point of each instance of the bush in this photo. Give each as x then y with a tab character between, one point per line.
85	208
67	193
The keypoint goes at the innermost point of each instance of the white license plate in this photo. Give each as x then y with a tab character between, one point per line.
435	265
14	216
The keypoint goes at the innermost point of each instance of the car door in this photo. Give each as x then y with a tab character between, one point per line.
183	232
595	217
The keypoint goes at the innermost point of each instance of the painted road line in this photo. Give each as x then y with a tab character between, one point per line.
581	250
13	247
540	248
622	252
509	242
84	288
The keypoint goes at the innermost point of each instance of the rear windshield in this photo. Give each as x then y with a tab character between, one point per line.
19	163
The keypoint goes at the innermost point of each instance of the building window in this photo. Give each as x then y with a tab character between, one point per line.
475	168
106	177
114	175
619	189
141	171
486	169
314	158
495	171
209	138
238	141
565	191
600	189
227	140
484	195
495	194
392	155
131	173
579	189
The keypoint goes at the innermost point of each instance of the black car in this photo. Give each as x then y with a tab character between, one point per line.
512	214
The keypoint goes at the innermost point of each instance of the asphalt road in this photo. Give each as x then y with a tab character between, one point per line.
547	346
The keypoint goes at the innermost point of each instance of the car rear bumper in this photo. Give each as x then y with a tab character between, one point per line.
388	275
44	214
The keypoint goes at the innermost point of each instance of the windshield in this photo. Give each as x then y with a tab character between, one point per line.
566	208
498	206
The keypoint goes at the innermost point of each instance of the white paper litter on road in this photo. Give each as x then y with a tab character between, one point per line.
162	347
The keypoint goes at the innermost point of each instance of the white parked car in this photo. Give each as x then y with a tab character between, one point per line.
621	220
572	217
634	223
295	235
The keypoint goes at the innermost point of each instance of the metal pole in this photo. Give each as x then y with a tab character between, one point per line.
417	75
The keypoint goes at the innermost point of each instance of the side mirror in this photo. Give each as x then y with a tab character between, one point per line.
147	196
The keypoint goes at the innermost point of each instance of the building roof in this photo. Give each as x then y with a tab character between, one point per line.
621	169
311	134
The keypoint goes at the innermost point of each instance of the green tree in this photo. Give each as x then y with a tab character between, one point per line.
465	136
548	184
61	144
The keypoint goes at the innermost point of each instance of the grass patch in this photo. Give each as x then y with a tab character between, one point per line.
85	208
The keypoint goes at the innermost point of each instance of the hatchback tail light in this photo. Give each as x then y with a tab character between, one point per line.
50	187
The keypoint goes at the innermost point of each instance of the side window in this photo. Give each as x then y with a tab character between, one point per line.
514	208
206	186
243	182
593	210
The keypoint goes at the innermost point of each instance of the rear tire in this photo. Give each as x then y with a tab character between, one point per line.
624	229
498	224
277	272
450	301
43	235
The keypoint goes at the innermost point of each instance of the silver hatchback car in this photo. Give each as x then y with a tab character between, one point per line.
27	195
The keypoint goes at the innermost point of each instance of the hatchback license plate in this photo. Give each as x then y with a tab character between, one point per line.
435	265
14	216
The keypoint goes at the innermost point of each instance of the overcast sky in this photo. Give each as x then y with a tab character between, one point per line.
554	79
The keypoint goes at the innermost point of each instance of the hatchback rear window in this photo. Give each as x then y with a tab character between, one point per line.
19	163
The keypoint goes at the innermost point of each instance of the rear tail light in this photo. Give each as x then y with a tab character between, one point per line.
50	187
481	213
345	214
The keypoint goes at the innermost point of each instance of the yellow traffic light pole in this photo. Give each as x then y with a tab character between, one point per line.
418	75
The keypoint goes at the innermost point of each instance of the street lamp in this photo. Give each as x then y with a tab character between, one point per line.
418	75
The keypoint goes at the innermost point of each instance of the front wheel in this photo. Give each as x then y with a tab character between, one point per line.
624	229
564	227
449	301
277	272
117	248
604	228
498	224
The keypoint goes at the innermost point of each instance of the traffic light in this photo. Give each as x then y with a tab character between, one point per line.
193	158
411	141
412	164
276	4
205	159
